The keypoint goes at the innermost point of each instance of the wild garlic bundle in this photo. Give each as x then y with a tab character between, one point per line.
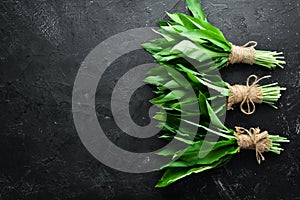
188	161
247	95
184	29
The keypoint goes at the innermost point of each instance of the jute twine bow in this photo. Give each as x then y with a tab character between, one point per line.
243	54
253	139
246	94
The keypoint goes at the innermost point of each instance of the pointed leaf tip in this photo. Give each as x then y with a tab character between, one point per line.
196	9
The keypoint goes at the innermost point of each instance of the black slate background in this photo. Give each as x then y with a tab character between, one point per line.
42	46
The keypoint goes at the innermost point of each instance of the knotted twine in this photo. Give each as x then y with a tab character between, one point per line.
253	139
243	54
246	94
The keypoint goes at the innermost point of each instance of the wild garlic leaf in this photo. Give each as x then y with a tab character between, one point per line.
173	174
214	118
192	158
196	9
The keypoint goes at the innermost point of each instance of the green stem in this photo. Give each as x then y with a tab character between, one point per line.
269	59
271	93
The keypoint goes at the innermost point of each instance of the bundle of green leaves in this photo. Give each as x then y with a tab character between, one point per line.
184	29
270	93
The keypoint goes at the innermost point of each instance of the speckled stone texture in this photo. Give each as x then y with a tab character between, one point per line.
42	46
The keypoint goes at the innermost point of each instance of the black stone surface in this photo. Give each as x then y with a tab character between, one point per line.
42	46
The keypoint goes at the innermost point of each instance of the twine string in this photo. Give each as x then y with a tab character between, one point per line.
243	54
248	95
255	140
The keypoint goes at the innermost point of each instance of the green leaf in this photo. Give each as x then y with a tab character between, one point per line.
214	118
173	95
173	174
187	70
188	49
202	105
202	36
223	91
162	23
196	9
202	25
221	134
171	84
199	53
175	17
156	71
165	34
155	80
203	152
178	77
181	19
156	45
160	116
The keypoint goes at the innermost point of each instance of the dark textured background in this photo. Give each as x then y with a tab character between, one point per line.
42	46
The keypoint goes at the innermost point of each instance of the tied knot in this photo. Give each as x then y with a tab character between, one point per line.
253	139
246	95
243	54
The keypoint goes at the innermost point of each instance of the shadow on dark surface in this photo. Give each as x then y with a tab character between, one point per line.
42	46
